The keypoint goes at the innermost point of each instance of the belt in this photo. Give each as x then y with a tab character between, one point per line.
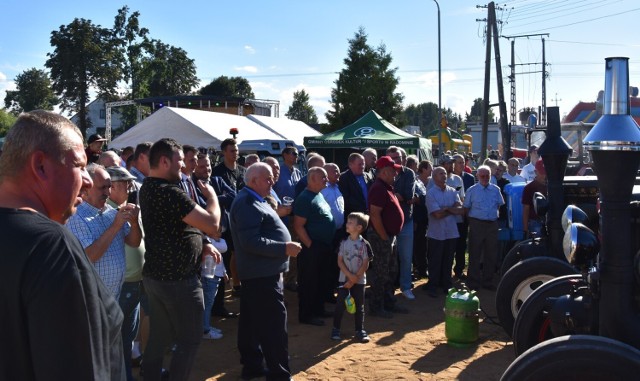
485	221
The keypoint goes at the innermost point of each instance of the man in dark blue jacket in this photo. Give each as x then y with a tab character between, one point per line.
263	248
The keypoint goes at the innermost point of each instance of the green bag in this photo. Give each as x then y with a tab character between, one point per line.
350	303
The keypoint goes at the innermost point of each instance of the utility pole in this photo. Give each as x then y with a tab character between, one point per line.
492	37
512	78
556	100
543	112
487	78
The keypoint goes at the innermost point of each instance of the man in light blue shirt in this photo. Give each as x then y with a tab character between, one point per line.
481	204
443	204
289	174
103	230
332	194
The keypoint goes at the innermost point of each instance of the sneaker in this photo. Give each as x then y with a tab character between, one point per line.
212	335
335	334
216	329
362	336
408	294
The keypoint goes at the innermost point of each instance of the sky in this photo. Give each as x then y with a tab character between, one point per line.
282	46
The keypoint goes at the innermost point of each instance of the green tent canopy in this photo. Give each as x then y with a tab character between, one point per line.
371	130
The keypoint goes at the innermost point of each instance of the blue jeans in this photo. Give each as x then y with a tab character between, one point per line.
130	304
405	254
175	317
209	291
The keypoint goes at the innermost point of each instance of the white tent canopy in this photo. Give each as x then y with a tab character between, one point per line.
288	128
193	127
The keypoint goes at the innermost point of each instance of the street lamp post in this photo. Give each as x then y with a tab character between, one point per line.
440	145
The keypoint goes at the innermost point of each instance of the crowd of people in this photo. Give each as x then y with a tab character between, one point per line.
107	239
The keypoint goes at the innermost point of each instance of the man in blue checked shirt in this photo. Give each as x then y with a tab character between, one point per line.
482	202
103	230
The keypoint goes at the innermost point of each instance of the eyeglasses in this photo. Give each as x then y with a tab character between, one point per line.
294	153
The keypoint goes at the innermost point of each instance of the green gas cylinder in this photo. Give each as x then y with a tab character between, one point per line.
461	317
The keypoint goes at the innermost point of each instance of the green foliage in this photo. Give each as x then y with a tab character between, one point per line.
168	70
475	116
133	42
33	92
425	115
224	86
85	56
366	83
6	121
300	108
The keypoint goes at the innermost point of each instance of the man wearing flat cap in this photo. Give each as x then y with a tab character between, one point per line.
387	219
94	147
122	183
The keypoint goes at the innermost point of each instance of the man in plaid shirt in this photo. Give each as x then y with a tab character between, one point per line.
103	230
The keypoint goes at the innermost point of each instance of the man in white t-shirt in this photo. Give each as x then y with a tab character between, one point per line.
512	171
529	171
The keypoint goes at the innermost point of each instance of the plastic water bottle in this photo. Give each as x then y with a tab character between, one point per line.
209	268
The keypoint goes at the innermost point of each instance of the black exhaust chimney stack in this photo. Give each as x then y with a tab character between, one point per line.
614	145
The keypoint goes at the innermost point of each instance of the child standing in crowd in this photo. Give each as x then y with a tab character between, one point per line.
354	255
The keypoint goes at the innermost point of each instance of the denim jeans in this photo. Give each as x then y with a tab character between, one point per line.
175	317
209	291
129	302
405	254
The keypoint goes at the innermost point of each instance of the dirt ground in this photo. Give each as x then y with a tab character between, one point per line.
407	347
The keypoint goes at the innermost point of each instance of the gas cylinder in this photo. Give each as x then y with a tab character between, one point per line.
461	309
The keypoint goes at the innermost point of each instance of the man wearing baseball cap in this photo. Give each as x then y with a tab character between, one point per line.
94	147
386	222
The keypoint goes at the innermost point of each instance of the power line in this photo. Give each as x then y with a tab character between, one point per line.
585	21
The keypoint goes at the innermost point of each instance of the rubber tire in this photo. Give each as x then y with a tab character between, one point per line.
530	321
525	277
513	256
576	357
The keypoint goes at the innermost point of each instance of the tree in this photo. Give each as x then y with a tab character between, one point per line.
366	83
33	92
85	56
224	86
168	70
6	121
133	42
475	116
300	108
425	115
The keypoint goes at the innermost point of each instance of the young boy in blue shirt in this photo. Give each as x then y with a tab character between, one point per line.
354	255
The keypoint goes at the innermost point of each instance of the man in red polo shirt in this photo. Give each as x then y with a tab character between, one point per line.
386	220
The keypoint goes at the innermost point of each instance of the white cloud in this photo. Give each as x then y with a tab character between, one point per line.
249	49
430	79
247	68
4	86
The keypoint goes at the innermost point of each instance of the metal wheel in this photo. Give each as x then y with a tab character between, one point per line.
521	281
531	325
